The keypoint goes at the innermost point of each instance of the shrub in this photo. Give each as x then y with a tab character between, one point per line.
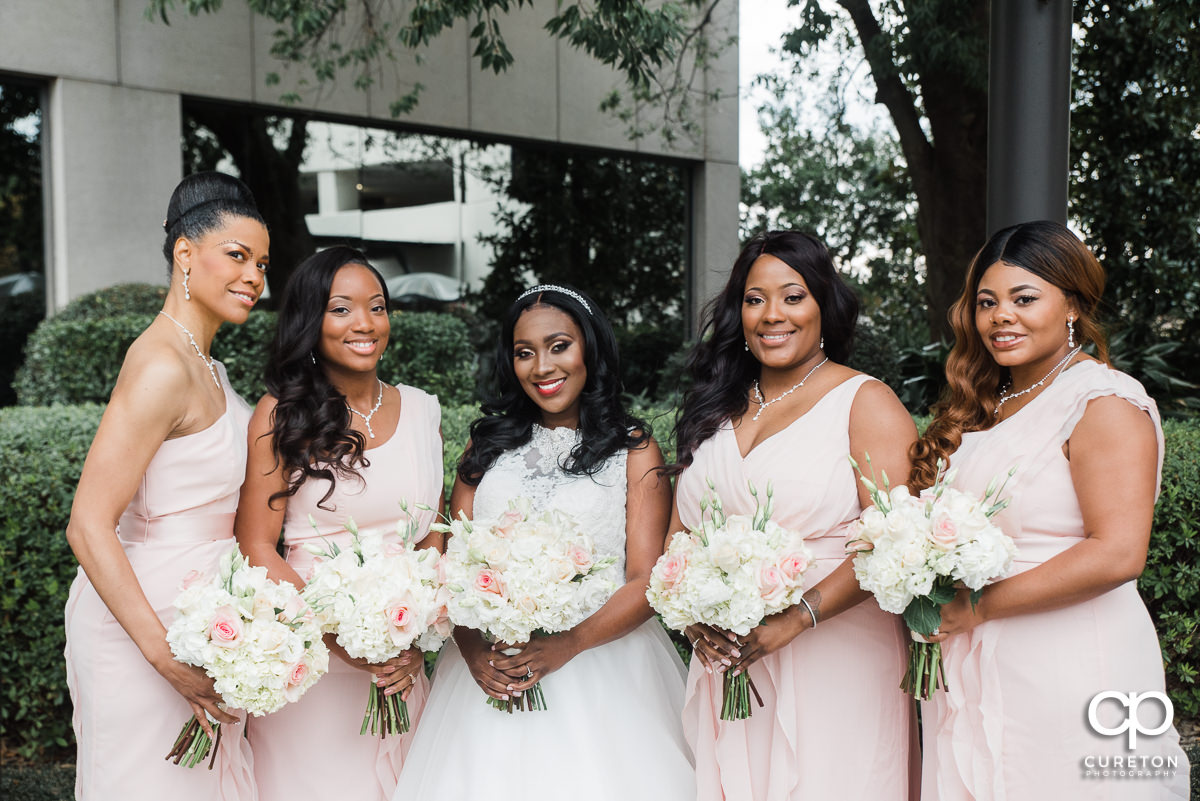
75	358
115	300
43	449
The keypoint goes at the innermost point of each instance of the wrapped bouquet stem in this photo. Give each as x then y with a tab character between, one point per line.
914	553
730	573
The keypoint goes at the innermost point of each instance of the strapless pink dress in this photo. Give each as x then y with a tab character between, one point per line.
312	748
835	724
1013	725
126	716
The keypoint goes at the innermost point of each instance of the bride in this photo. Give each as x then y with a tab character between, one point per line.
558	435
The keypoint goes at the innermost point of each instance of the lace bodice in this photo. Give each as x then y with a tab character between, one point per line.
534	471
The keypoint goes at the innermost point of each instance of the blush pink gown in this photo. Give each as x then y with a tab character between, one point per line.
1014	724
126	716
835	724
312	748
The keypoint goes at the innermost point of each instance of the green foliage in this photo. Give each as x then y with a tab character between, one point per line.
131	298
43	450
1134	177
75	356
19	316
1170	583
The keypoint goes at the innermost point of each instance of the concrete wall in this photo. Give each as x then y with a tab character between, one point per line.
113	123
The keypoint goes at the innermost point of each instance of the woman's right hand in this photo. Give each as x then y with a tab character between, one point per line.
196	687
715	648
478	655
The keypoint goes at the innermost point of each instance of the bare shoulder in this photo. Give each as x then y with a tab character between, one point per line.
263	419
646	456
1111	419
153	375
876	399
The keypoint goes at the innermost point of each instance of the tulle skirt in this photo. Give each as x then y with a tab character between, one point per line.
611	731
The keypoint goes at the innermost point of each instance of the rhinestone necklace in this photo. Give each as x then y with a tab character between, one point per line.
208	360
367	417
758	396
1005	398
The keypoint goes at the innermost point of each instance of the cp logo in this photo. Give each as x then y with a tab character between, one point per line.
1132	722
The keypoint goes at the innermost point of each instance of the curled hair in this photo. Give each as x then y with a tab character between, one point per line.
719	365
201	203
312	437
508	418
973	378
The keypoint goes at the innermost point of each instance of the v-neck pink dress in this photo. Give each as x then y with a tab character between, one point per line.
126	716
312	748
1013	725
835	724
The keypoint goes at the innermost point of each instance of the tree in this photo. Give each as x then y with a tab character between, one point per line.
1135	142
929	61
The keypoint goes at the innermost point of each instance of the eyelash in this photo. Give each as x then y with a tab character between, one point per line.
755	300
555	347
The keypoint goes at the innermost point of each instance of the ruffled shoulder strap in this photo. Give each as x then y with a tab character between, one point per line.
421	402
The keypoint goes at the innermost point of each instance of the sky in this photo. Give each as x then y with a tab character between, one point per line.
761	24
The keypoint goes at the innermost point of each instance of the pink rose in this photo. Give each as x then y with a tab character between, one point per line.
508	521
489	581
442	624
771	584
581	558
859	546
671	569
225	630
401	619
295	681
793	566
943	533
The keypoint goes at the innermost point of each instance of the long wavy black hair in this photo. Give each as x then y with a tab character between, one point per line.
509	418
311	423
201	203
721	368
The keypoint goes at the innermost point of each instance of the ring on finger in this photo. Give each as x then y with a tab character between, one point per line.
528	671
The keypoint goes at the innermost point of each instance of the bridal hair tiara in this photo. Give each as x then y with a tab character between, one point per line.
533	290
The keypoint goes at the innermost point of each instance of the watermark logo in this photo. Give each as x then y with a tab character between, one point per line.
1132	702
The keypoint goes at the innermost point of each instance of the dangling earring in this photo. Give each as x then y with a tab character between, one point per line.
187	293
822	345
745	346
1070	332
311	356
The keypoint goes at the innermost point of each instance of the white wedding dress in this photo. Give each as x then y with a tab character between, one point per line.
612	729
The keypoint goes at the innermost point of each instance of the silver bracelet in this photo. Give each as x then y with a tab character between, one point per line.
811	613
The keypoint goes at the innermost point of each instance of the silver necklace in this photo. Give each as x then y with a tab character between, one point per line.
208	360
1005	398
367	417
758	396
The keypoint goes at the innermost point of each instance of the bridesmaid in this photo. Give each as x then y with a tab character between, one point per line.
1024	665
772	403
330	440
156	500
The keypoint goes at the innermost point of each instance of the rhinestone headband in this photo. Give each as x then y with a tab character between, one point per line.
562	290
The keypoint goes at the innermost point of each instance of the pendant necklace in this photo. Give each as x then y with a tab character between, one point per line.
758	396
1005	398
367	417
208	360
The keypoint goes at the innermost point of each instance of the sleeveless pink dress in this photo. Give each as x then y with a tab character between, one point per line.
1014	724
835	724
312	748
126	716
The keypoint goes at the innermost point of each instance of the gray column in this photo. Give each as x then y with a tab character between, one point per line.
1029	95
115	155
713	233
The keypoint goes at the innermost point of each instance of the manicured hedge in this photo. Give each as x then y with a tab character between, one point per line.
75	356
44	449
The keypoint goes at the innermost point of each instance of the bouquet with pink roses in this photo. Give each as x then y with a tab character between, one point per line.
730	573
911	553
257	639
380	596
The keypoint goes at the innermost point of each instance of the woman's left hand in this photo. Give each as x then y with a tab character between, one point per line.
399	674
772	634
958	616
534	660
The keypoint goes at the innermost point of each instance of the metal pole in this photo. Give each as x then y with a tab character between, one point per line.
1029	111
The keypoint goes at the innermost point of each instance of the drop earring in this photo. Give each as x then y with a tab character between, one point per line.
1070	332
745	346
187	293
311	356
822	345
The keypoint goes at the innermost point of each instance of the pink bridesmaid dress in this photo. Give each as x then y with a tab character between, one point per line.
126	716
835	724
1013	725
312	748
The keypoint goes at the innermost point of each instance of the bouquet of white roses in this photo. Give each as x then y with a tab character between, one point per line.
522	574
380	596
910	552
730	573
257	639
